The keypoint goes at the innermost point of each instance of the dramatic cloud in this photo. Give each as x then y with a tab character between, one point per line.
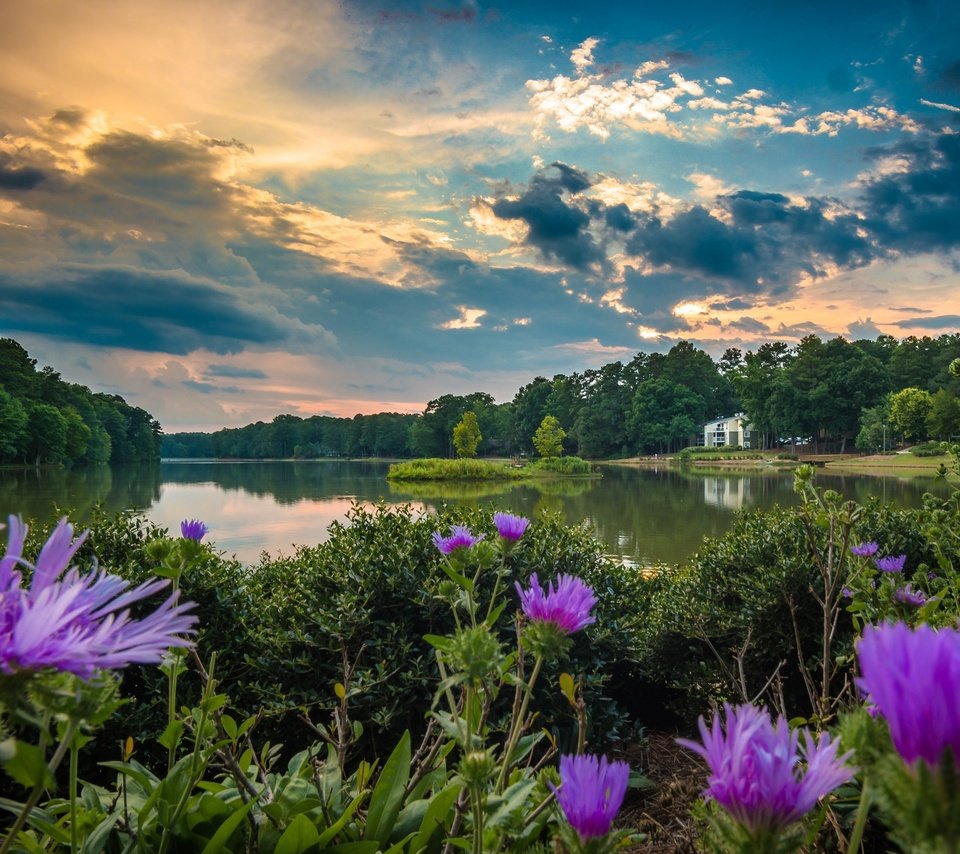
556	228
653	101
943	321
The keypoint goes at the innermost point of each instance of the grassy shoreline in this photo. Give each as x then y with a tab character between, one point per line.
479	470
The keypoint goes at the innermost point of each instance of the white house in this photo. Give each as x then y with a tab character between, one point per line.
733	430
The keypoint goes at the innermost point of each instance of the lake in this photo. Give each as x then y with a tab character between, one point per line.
642	514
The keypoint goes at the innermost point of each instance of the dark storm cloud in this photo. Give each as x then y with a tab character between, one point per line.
918	210
861	329
14	177
620	217
750	326
943	321
557	229
235	373
163	312
764	245
210	388
735	304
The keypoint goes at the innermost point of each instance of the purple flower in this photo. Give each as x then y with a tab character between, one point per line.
913	677
510	527
891	563
591	791
908	596
755	770
193	529
846	593
460	538
864	549
567	607
79	624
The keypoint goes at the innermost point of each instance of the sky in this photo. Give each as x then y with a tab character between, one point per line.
224	211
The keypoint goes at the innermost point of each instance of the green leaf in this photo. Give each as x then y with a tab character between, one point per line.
171	735
441	807
387	795
218	842
298	837
97	839
229	726
341	822
441	642
340	691
25	763
461	580
566	686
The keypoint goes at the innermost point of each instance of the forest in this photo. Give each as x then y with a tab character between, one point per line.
865	394
46	420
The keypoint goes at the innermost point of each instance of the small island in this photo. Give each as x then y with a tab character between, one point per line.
548	440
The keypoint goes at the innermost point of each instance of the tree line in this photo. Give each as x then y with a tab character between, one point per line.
44	419
826	391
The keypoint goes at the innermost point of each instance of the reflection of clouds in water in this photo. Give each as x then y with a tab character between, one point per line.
244	525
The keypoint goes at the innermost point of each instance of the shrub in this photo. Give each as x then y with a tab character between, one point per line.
285	629
460	469
740	594
562	465
929	449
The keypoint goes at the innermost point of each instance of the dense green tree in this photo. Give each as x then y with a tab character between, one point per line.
909	408
13	427
754	383
601	423
78	434
876	429
943	419
663	415
548	438
466	435
18	374
529	409
48	434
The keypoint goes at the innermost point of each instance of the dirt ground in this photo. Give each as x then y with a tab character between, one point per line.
662	812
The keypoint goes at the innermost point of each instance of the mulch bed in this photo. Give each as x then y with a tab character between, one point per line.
662	812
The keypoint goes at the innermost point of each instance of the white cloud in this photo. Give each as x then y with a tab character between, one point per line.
723	81
939	105
469	318
708	187
582	57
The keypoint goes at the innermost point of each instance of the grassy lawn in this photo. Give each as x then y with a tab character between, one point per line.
888	463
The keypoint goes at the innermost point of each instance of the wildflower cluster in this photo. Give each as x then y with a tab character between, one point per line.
591	788
877	588
78	623
756	773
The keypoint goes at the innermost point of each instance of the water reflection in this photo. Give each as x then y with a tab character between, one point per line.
643	515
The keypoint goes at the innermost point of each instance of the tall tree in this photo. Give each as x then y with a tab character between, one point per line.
663	415
548	438
943	419
909	408
466	435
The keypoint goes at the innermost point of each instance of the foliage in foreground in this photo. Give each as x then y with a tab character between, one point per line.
479	779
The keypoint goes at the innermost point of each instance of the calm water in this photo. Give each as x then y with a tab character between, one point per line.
644	515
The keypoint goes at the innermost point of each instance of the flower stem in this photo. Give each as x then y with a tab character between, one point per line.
37	790
517	724
863	809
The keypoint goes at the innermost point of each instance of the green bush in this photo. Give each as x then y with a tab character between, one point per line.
737	594
283	629
929	449
562	465
461	469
